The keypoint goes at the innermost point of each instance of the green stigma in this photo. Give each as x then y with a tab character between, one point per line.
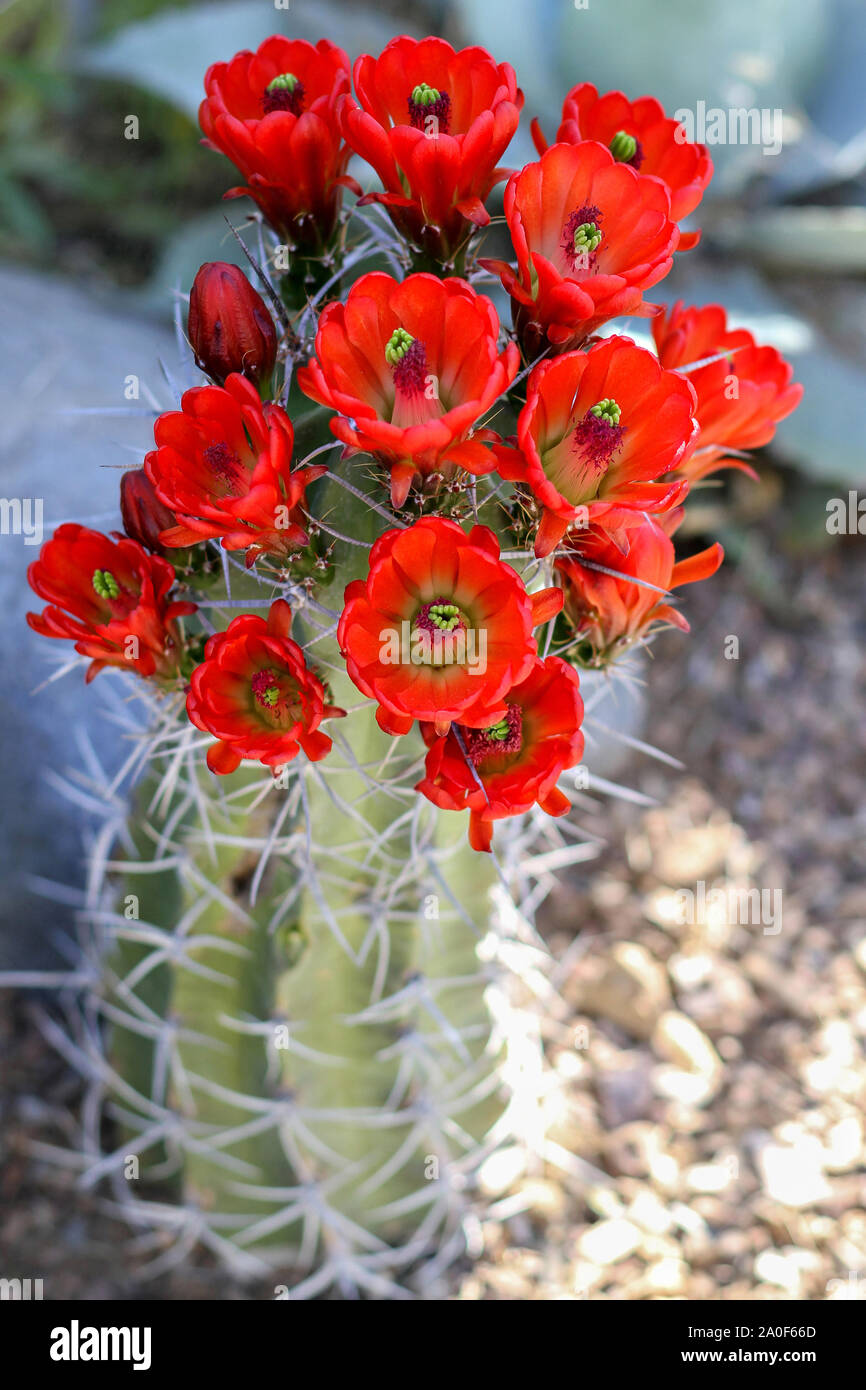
105	584
445	616
398	345
586	237
623	147
607	410
497	731
286	82
270	695
422	95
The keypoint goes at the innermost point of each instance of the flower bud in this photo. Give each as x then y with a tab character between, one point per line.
144	516
229	326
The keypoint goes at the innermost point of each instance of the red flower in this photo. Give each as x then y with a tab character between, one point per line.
273	113
229	326
144	516
590	235
741	397
434	124
223	464
109	597
411	367
610	611
441	628
256	694
505	768
637	133
597	428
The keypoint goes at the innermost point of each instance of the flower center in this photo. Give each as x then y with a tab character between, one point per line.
416	394
607	410
445	616
105	584
440	616
284	93
428	102
266	689
410	367
626	149
224	463
397	346
277	695
439	631
598	435
506	736
581	237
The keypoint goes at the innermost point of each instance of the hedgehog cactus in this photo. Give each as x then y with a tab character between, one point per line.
357	658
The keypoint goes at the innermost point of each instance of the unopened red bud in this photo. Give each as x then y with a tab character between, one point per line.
144	516
229	325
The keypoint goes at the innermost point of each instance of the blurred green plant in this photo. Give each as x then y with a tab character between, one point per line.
73	191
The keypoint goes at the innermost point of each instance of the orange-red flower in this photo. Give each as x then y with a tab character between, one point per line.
434	124
223	464
741	397
505	768
637	133
109	597
616	589
597	429
411	367
441	628
274	114
256	694
590	235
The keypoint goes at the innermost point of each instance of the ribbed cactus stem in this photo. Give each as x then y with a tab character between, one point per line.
318	1051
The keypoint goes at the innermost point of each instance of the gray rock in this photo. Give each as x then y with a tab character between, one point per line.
66	351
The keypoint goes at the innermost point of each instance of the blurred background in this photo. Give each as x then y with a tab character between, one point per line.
710	1079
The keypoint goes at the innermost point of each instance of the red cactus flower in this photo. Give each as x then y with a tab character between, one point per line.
590	235
637	133
505	768
229	325
109	597
256	694
273	113
223	464
434	124
597	429
741	396
411	367
441	628
614	595
144	516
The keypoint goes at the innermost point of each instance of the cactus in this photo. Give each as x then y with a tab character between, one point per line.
294	1002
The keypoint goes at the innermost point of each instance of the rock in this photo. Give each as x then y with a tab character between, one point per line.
793	1174
64	351
501	1170
696	1071
627	987
710	1177
665	1276
608	1242
786	1268
625	1090
844	1145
